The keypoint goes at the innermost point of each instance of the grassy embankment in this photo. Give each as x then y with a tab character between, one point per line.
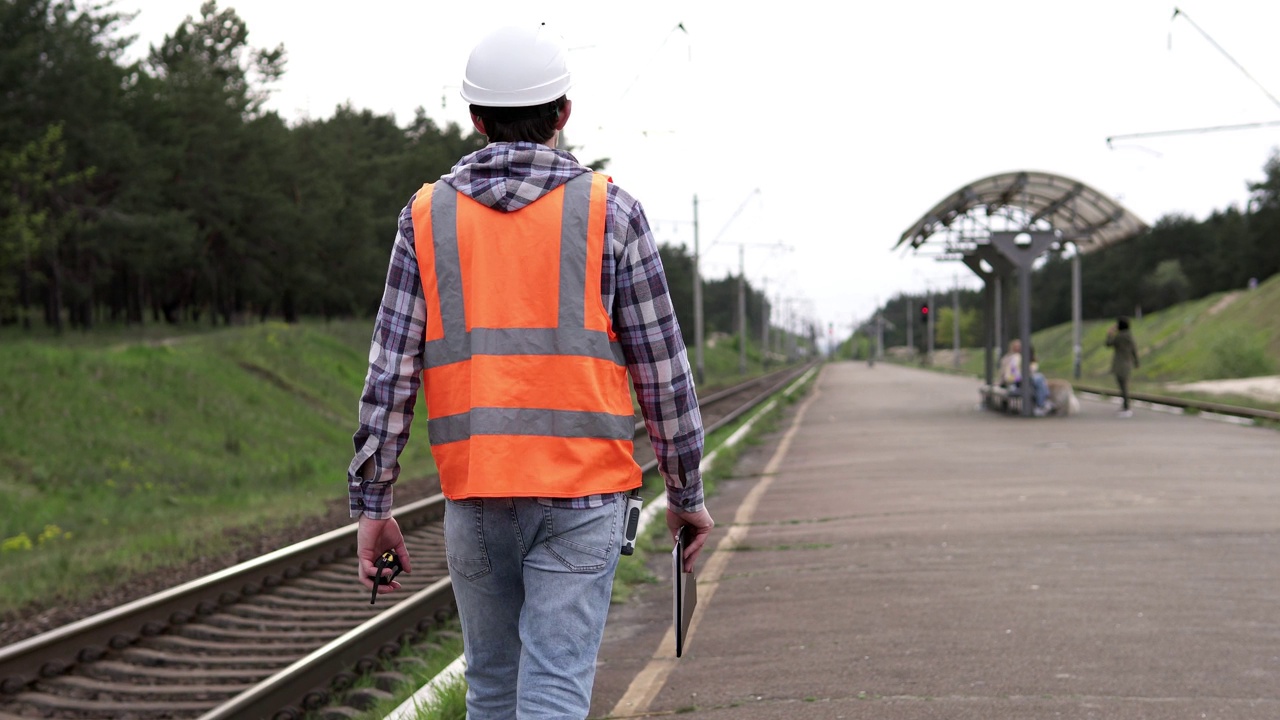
117	458
124	452
1226	335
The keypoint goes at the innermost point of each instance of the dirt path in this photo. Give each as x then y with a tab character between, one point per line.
1266	388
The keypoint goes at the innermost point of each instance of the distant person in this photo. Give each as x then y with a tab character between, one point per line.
1040	389
1124	359
1011	377
526	298
1011	365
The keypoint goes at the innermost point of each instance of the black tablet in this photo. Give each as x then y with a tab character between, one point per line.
685	597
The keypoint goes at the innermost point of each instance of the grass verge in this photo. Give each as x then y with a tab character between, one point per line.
419	664
118	459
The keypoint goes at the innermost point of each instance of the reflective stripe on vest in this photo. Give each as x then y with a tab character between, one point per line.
526	384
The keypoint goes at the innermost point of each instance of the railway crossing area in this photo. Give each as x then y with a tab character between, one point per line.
892	551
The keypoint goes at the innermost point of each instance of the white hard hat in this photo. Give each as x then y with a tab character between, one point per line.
519	66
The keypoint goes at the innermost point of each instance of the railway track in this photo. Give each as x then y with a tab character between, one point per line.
275	637
1188	404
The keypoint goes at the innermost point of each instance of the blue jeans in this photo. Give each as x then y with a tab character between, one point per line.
1040	389
533	584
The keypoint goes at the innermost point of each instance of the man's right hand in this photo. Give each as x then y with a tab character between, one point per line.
373	538
701	523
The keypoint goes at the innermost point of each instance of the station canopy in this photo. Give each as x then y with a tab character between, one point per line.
1025	200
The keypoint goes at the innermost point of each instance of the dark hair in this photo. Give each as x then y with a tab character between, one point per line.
515	124
1122	323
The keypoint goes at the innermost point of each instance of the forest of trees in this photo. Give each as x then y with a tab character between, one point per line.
163	190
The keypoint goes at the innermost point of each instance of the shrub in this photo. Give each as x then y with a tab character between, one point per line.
1240	354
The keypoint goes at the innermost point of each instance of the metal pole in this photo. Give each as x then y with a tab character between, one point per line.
955	324
879	335
781	334
928	330
999	312
742	309
1077	300
764	322
1024	332
911	341
989	327
791	332
699	367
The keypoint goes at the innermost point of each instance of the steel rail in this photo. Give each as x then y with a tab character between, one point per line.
786	377
293	691
1203	405
47	654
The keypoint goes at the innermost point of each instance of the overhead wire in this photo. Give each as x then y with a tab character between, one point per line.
679	26
615	107
1178	12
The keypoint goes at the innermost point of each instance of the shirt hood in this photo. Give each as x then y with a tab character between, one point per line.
509	176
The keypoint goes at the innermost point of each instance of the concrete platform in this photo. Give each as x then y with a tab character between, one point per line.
909	555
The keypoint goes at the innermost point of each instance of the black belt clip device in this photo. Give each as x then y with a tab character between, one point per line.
389	560
631	524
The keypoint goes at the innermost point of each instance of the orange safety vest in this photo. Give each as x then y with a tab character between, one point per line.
526	385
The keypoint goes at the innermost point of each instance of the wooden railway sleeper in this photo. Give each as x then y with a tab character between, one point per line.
98	689
97	709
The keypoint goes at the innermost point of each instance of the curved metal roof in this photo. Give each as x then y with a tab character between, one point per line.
1030	199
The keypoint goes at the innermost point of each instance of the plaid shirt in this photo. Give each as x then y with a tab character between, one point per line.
509	176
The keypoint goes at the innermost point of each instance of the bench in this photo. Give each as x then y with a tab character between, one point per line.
1000	398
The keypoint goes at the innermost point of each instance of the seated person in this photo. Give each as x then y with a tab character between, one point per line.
1011	365
1011	377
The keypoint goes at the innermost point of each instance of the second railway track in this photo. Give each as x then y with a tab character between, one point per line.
274	637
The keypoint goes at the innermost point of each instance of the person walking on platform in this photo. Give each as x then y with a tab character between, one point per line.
526	296
1124	359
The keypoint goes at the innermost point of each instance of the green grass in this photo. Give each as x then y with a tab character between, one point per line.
120	457
721	359
450	703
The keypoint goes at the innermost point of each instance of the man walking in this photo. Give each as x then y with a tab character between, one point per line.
524	292
1124	359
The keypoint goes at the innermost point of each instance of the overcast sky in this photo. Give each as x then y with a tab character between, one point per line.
825	127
